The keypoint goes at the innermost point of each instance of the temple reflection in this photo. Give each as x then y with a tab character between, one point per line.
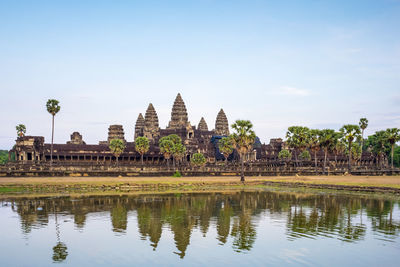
235	216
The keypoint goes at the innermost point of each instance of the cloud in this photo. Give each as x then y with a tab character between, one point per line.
293	91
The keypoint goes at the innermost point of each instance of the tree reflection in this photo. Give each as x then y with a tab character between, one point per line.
60	252
233	215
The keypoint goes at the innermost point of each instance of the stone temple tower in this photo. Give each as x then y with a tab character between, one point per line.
221	124
179	116
151	127
202	125
139	126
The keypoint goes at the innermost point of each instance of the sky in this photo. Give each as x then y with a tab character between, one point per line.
320	64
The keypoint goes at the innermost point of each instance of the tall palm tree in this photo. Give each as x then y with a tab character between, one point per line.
117	146
350	132
314	144
53	108
142	145
243	140
327	141
225	145
393	136
338	146
298	138
363	125
166	148
21	130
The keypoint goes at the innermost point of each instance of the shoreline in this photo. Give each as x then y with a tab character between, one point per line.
70	185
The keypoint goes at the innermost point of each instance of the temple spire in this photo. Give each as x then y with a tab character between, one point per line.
202	125
139	126
151	128
221	124
179	116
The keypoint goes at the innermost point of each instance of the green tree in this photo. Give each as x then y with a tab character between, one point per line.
298	138
379	146
117	146
142	145
350	134
21	130
392	136
363	125
225	145
243	140
198	159
327	142
285	155
166	148
53	108
305	155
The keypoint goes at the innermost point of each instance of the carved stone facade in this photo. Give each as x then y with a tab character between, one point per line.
76	139
151	127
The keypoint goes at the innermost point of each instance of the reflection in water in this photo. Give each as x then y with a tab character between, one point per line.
234	215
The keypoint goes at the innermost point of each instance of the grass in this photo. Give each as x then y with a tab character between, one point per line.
91	184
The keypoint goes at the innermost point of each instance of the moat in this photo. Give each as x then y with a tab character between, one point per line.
238	228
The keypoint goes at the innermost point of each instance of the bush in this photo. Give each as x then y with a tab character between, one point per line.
305	155
177	174
198	159
285	154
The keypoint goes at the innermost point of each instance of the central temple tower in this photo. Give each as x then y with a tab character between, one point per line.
179	116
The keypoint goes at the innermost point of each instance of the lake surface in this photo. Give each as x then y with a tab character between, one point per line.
255	228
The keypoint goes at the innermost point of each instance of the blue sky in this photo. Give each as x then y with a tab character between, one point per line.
277	63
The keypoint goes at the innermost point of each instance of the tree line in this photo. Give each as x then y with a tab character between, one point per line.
349	140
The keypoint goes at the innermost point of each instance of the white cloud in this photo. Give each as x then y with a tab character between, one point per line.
293	91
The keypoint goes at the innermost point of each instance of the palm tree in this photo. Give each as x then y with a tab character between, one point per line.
53	108
327	142
363	125
338	145
393	136
314	144
178	151
166	147
243	140
350	132
378	142
117	146
298	138
21	130
225	145
142	145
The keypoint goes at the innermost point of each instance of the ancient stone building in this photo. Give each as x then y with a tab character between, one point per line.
196	139
33	149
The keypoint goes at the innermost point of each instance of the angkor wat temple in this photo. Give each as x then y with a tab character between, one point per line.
33	152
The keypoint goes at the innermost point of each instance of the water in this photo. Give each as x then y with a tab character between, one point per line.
236	229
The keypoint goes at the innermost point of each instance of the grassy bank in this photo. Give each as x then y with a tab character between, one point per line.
135	184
